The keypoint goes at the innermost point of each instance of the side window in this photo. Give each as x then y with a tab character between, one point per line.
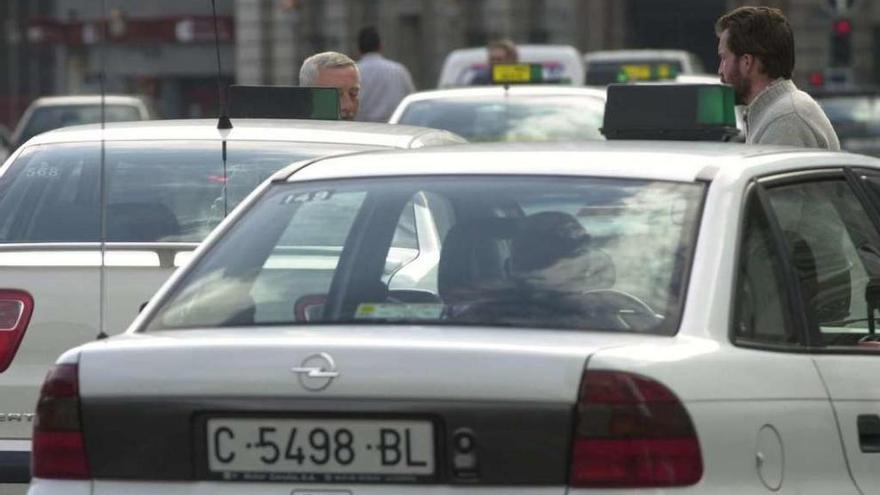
836	254
761	313
297	274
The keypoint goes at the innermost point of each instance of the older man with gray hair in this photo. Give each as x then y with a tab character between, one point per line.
334	70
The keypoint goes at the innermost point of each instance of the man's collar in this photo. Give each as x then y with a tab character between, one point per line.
769	94
371	55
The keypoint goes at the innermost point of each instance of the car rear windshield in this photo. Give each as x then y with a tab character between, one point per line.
513	118
52	117
571	253
168	191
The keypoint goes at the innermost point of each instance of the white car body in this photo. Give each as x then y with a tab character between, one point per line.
139	110
768	419
83	288
560	62
478	95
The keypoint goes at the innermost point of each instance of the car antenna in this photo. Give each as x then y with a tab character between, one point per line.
103	180
223	122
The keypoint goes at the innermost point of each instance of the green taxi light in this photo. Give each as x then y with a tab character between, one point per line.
646	72
689	112
517	73
715	105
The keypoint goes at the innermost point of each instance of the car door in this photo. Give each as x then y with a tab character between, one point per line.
834	248
787	425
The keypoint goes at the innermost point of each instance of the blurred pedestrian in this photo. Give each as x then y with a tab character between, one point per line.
756	48
384	82
502	51
334	70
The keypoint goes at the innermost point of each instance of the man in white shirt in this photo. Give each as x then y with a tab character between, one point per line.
384	82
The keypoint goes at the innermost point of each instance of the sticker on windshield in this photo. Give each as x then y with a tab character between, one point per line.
307	197
399	311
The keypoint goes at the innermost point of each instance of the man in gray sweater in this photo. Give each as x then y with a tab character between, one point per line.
756	48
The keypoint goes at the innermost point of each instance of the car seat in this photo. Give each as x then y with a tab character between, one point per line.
473	259
140	222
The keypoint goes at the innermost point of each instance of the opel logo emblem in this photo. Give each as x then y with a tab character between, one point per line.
316	371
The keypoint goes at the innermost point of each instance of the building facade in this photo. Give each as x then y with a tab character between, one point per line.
274	36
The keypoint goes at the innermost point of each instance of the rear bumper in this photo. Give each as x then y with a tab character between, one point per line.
234	488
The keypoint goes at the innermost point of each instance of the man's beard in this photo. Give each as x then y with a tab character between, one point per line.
742	87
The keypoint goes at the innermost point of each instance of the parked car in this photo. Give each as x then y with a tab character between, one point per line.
560	63
613	66
51	112
643	316
87	241
515	113
855	115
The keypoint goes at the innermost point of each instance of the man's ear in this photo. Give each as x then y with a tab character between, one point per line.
751	64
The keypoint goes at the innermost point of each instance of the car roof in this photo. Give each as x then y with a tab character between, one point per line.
480	52
316	131
459	59
87	100
673	161
512	90
610	55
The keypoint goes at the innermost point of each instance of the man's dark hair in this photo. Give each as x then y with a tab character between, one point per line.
368	40
762	32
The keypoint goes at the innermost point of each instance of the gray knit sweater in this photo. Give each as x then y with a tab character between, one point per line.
783	114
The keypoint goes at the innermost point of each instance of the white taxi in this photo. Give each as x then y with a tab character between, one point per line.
527	112
608	317
93	221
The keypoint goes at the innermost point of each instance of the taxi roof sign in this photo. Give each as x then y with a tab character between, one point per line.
646	72
517	73
688	112
283	102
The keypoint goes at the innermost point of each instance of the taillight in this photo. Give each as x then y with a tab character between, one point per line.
632	432
58	449
16	308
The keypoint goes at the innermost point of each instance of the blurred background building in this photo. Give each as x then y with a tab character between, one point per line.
164	49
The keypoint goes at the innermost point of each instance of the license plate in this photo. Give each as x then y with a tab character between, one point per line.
320	450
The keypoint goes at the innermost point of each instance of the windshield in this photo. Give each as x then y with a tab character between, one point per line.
170	191
52	117
576	253
513	118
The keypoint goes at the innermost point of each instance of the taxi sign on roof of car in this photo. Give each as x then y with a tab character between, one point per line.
283	102
646	72
507	74
703	112
517	73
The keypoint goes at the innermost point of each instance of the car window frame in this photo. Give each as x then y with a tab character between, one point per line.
807	328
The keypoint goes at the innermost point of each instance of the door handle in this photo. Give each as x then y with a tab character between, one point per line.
869	432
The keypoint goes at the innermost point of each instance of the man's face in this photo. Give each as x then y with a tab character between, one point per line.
347	80
731	70
500	56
